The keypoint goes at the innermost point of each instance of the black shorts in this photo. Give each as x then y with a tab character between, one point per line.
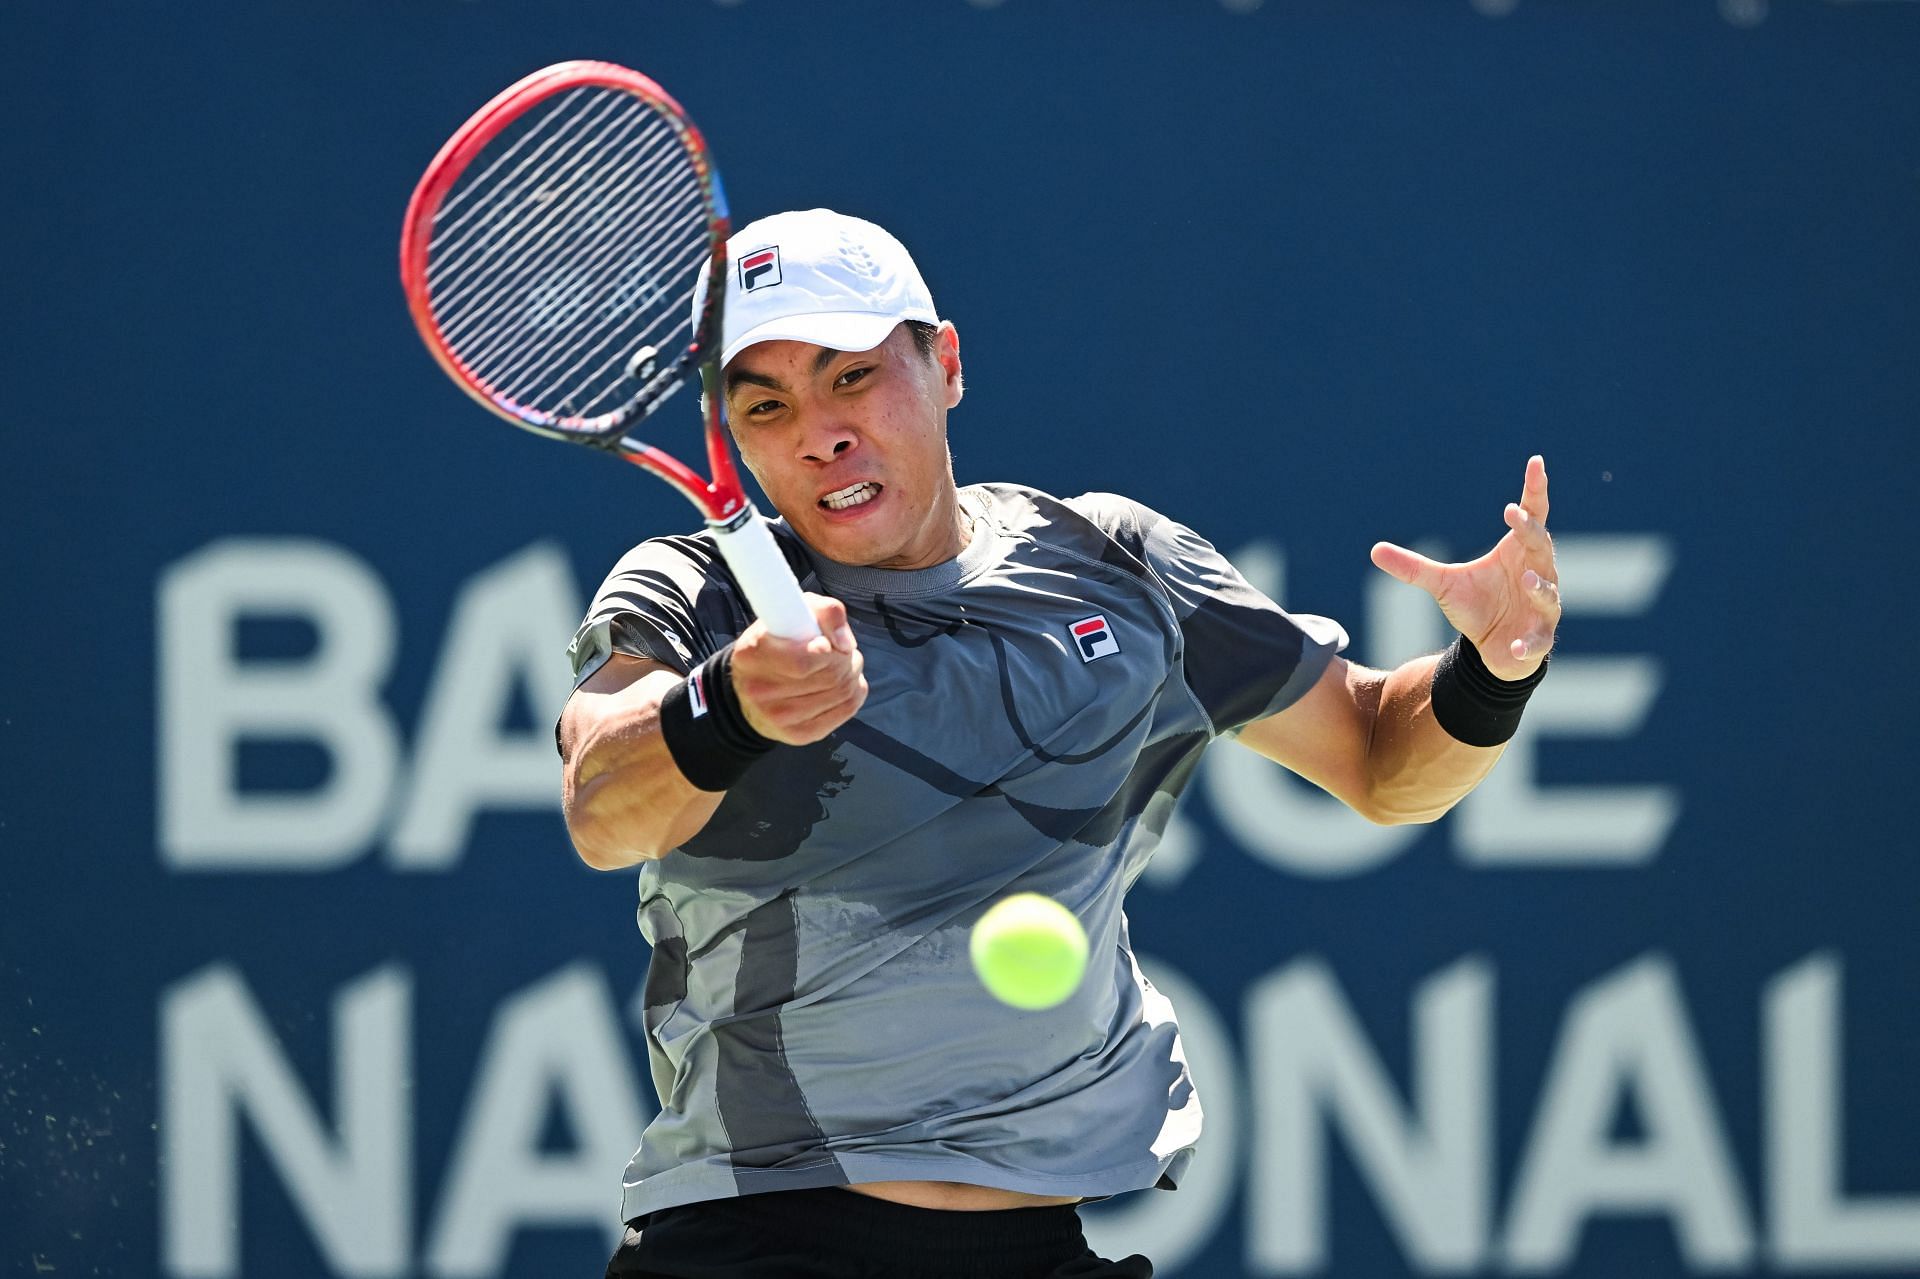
832	1233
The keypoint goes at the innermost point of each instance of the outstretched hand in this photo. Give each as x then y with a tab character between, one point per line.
1507	602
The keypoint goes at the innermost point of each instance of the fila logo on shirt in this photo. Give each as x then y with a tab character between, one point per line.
760	269
1094	637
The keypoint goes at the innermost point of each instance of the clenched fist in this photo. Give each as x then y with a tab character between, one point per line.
798	691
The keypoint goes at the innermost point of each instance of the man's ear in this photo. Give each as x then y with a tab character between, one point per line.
946	349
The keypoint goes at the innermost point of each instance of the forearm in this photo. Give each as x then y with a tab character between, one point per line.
1416	771
624	798
630	797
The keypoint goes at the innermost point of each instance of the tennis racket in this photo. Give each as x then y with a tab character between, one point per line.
551	256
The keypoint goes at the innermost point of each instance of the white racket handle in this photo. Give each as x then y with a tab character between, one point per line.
764	575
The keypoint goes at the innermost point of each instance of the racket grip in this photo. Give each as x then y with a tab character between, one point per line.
764	575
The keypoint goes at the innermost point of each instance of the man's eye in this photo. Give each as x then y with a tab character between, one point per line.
760	408
852	375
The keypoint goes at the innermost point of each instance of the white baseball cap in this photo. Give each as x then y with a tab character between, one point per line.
816	276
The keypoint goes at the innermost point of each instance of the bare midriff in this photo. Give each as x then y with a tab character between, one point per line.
957	1196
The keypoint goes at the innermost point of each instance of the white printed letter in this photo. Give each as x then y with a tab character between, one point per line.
1627	1035
556	1042
1309	1062
210	702
1510	819
510	626
218	1057
1814	1226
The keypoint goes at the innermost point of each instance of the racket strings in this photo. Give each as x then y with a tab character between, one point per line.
620	284
628	293
568	278
574	240
551	129
482	253
583	278
607	301
525	219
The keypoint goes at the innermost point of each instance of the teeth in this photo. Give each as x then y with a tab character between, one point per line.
852	495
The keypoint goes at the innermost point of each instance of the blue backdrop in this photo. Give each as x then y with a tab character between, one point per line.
297	971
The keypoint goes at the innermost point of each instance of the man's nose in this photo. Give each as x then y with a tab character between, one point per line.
827	442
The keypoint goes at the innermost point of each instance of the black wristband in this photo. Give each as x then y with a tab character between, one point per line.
1473	704
705	730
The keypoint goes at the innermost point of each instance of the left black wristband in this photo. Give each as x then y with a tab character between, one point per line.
1474	705
705	729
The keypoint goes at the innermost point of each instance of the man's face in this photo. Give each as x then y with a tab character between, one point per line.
851	446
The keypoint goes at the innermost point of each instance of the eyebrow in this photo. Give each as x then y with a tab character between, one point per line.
738	377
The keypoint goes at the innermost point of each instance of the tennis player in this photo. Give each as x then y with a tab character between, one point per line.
1009	693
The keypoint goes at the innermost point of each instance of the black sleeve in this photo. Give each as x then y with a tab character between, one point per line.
662	601
1246	657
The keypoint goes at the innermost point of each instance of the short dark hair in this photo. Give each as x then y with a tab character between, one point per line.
926	337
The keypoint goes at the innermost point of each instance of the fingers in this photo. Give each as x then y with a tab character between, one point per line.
800	723
1528	520
831	715
1410	567
1534	645
1531	530
831	617
798	691
797	658
797	714
793	670
1543	595
1533	492
1531	650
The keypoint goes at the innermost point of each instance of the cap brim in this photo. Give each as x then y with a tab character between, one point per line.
836	330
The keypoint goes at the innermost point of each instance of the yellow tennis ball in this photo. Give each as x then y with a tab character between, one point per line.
1029	951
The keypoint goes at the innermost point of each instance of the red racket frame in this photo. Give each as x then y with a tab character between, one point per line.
720	498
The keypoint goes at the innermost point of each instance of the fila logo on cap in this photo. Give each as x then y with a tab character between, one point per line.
1094	637
760	269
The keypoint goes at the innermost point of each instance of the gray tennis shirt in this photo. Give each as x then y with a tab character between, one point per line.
1036	706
